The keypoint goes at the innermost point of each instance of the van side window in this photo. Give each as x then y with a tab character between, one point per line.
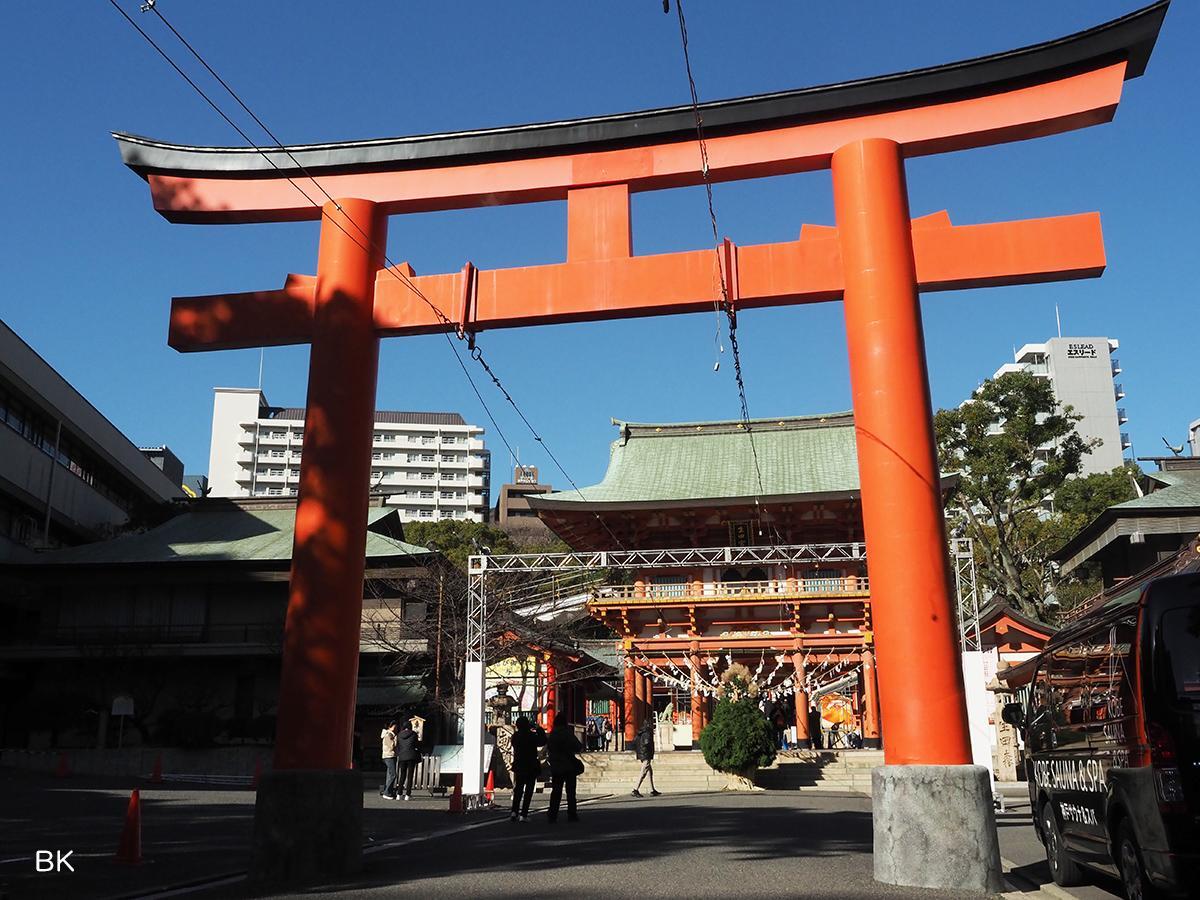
1040	722
1068	694
1112	707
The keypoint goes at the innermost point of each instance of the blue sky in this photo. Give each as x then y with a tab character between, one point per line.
88	268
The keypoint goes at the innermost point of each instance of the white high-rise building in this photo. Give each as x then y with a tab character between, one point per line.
1082	371
429	465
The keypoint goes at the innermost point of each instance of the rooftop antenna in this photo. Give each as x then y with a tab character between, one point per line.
262	352
1058	319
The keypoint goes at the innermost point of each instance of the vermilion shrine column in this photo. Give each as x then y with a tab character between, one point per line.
550	699
870	681
926	768
313	780
639	701
803	738
630	698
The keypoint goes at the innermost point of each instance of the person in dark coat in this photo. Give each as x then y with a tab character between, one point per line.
562	749
643	748
407	757
814	727
526	768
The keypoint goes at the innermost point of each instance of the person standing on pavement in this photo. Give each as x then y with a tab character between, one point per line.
407	757
643	748
526	768
387	739
562	749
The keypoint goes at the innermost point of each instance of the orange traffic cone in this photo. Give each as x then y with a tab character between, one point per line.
156	775
489	789
456	803
63	769
130	851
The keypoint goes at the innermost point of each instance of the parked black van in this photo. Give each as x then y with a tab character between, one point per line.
1112	735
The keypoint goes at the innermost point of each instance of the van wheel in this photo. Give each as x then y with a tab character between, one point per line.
1133	873
1065	871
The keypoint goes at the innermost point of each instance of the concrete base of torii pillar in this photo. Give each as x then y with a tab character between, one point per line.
935	828
307	827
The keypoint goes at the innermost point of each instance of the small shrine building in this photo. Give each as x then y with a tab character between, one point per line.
803	629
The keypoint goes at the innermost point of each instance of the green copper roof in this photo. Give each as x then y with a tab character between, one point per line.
227	533
713	460
1181	492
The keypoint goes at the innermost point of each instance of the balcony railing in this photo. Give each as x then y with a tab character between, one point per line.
774	590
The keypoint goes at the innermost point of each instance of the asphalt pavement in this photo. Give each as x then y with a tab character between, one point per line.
1019	845
196	843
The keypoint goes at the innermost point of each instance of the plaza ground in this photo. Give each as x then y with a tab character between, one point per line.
765	844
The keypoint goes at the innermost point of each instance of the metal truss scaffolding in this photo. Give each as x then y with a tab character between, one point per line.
480	566
962	555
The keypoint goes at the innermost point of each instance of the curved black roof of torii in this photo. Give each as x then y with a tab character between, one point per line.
1129	38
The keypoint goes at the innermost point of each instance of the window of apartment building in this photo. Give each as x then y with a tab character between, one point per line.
414	457
278	454
427	457
376	455
276	473
295	473
427	514
448	495
275	491
428	495
427	439
427	476
388	436
449	439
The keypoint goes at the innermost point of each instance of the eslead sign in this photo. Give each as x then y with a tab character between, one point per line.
1081	351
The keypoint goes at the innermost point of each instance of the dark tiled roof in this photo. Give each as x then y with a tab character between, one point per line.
385	416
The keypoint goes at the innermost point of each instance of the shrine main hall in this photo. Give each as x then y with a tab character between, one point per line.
802	628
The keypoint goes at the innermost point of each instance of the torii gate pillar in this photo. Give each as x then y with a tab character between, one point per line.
926	768
313	781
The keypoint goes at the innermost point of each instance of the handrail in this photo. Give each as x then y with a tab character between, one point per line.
774	589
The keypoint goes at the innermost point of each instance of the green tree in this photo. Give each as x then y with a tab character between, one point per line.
1076	504
739	739
1013	448
457	539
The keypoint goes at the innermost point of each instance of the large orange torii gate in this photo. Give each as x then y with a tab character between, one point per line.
875	260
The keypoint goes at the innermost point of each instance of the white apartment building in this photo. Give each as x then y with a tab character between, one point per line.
429	465
1082	371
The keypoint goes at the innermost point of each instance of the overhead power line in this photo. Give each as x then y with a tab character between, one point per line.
726	302
475	351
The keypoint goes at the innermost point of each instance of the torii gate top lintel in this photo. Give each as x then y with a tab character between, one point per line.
1056	86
